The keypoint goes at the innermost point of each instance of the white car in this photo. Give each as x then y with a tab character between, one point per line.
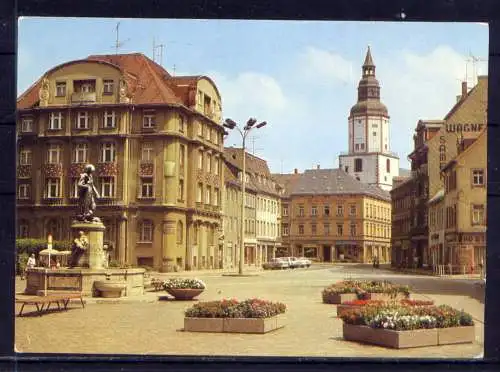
304	262
276	264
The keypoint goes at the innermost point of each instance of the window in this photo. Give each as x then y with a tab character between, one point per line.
147	187
478	177
199	195
357	146
358	165
53	187
107	187
146	231
374	134
388	166
362	146
181	190
216	196
25	157
23	229
24	191
314	211
208	195
75	189
215	137
313	229
216	166
326	228
301	229
340	229
478	215
182	123
353	229
109	119
326	210
61	89
54	154
180	232
149	119
108	87
352	210
195	234
181	157
285	210
55	120
147	152
86	88
207	133
209	163
200	159
81	153
27	125
301	211
340	210
200	129
108	152
82	120
285	229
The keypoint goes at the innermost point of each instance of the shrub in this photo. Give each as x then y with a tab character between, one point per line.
362	288
30	246
251	308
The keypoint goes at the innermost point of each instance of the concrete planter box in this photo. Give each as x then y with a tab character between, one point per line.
204	325
234	325
340	298
390	338
456	335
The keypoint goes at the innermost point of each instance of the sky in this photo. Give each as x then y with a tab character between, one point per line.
300	77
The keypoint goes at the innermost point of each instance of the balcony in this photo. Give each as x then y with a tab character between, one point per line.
83	98
108	201
24	171
53	201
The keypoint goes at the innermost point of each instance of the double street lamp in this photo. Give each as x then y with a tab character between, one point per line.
230	124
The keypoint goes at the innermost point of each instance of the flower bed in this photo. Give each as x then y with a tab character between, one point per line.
184	289
401	326
341	292
356	303
231	316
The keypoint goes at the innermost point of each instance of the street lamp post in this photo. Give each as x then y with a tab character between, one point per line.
230	124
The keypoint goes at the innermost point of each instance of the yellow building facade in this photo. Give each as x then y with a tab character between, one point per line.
157	144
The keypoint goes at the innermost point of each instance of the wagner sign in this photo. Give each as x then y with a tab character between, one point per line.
442	153
458	128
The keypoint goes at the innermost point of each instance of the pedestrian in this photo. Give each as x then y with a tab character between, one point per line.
31	263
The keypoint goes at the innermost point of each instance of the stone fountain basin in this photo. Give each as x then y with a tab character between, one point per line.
109	288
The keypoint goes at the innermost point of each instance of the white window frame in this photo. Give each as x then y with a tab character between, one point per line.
55	120
147	187
24	191
209	163
110	149
81	152
149	119
107	186
82	120
54	154
27	124
147	152
476	174
146	231
216	166
61	85
108	86
25	157
86	88
109	115
74	188
200	159
477	210
199	193
56	183
285	211
208	195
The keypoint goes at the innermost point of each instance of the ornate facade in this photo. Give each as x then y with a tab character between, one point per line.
157	144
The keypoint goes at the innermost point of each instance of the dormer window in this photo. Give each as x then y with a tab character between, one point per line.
61	89
149	119
108	86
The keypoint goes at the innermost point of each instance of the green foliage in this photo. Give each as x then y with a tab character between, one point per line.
30	246
21	262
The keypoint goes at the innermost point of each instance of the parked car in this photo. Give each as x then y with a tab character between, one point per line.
292	262
276	264
304	262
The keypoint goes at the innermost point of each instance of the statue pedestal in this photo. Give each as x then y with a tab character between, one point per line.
94	257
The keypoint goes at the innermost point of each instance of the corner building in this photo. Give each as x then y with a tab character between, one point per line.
157	143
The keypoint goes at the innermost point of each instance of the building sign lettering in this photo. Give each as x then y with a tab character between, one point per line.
452	128
442	153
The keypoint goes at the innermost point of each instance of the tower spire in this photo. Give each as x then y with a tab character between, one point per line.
368	59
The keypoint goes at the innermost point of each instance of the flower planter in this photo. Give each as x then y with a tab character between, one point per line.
234	325
204	325
386	296
184	293
390	338
456	335
110	289
344	307
339	298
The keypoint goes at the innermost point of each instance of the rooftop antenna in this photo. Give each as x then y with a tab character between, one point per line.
158	52
254	138
118	43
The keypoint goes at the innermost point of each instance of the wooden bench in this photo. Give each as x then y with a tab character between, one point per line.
43	303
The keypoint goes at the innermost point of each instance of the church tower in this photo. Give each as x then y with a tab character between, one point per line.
369	158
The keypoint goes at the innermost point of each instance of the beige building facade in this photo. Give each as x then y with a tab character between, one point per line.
157	144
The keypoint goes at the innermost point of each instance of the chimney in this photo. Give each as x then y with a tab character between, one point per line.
295	171
317	166
464	89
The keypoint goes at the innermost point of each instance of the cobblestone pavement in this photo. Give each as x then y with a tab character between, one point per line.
155	327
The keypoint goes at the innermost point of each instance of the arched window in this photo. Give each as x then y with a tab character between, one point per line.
180	232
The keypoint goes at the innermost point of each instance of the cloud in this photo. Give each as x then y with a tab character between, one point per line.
317	65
